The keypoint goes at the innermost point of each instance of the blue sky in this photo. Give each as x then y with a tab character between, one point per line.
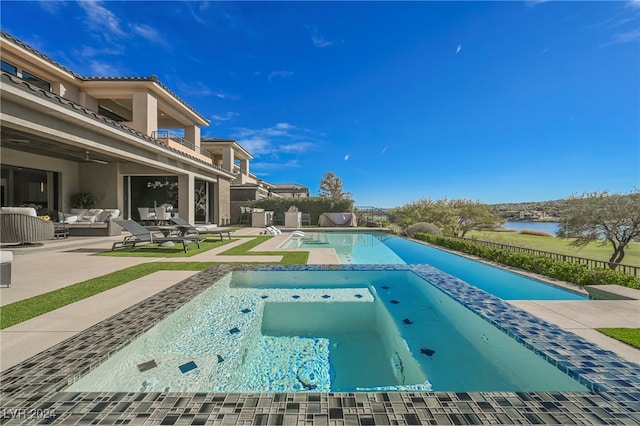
494	101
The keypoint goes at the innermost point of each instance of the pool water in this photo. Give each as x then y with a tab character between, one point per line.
382	248
266	331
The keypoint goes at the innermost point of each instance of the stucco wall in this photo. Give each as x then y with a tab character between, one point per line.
223	204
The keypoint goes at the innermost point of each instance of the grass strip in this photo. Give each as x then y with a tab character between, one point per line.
630	336
155	250
26	309
288	257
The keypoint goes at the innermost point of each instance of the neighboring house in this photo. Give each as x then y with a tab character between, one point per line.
131	142
246	186
290	190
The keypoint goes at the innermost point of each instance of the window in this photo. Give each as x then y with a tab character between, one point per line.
36	81
110	114
8	68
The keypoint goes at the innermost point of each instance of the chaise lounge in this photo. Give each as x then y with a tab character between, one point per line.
187	229
140	234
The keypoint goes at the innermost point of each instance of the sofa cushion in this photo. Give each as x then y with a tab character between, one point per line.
90	219
79	212
108	214
29	211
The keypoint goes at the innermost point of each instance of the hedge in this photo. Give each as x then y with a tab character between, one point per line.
575	273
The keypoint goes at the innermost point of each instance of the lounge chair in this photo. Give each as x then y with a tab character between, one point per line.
187	229
140	234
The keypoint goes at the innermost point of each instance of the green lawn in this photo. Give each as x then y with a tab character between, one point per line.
630	336
155	250
558	245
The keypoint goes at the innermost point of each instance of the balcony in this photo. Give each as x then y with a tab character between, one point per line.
180	144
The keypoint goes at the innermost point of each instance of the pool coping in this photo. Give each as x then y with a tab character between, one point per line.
31	390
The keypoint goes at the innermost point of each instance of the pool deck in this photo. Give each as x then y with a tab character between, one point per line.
60	263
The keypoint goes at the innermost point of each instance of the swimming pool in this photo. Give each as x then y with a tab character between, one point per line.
325	331
382	248
40	382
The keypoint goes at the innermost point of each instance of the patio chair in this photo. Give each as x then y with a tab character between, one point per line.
162	216
146	215
140	234
188	229
305	219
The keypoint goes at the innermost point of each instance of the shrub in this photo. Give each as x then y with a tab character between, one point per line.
395	229
575	273
538	233
422	227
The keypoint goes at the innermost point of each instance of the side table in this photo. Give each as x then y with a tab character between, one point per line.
60	230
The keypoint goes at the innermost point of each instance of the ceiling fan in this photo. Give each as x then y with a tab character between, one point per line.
93	160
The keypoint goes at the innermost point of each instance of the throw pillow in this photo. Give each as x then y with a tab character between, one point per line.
70	218
90	219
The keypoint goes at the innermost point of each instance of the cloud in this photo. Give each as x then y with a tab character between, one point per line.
318	40
222	95
192	88
103	69
149	33
101	19
52	6
346	157
458	49
275	142
275	166
633	4
533	3
224	117
281	74
623	38
296	147
383	151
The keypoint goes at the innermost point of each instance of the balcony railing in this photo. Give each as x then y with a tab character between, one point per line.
165	135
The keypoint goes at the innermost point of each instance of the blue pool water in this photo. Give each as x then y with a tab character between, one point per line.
327	331
380	248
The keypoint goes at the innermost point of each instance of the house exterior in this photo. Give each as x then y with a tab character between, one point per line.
131	142
246	187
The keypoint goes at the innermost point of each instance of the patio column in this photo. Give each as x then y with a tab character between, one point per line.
244	167
228	158
222	202
145	113
186	197
192	134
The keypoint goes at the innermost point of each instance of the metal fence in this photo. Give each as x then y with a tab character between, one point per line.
591	263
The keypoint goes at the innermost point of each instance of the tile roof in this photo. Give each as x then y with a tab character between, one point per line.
152	78
96	116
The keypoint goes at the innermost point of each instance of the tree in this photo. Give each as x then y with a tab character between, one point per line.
466	215
331	187
454	217
608	218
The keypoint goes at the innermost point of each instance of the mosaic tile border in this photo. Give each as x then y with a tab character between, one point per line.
31	393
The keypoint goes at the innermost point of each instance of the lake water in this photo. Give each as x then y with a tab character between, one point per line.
550	227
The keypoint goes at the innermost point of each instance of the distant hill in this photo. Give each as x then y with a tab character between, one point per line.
543	211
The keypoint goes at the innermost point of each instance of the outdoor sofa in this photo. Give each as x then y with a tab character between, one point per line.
23	226
91	222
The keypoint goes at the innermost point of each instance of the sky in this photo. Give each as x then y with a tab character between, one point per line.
505	101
